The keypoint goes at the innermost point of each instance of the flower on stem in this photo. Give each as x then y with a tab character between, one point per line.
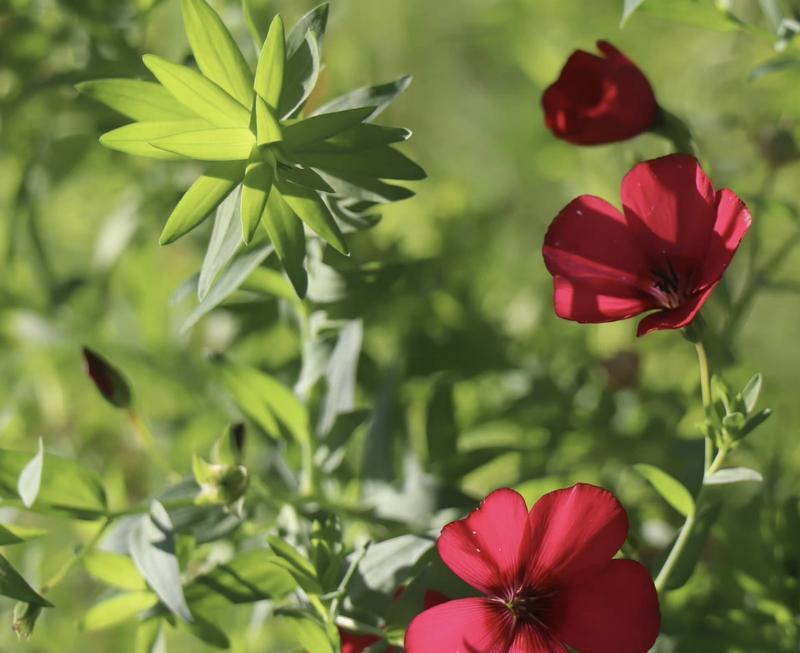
548	578
599	99
666	252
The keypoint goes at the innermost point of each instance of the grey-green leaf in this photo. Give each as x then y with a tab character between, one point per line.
628	9
197	93
381	162
202	197
137	99
751	392
303	59
13	585
671	490
225	241
215	51
318	128
285	230
733	475
379	96
309	207
30	478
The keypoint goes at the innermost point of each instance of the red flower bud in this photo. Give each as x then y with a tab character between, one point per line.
108	380
599	99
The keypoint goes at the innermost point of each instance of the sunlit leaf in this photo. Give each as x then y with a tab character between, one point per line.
118	609
309	633
271	64
303	54
672	491
256	188
140	100
224	144
30	478
310	208
114	569
136	138
268	129
318	128
286	233
225	241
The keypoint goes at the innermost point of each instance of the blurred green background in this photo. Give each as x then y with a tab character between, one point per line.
485	386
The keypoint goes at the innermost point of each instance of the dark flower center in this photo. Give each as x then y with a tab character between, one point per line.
669	288
527	607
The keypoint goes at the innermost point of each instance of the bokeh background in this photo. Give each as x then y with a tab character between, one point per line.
480	385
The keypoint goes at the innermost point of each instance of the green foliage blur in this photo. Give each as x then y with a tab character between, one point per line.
471	380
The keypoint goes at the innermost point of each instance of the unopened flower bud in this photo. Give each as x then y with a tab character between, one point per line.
25	616
107	379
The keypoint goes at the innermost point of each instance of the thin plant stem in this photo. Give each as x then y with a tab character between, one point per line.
705	392
147	440
62	573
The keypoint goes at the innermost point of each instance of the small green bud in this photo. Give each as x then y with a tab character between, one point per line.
220	484
25	616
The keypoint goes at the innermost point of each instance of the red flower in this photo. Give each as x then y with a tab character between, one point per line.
666	252
599	99
549	580
357	643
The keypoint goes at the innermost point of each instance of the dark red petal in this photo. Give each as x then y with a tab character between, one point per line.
597	301
612	52
434	598
462	626
671	206
614	611
675	318
485	548
356	643
733	221
573	532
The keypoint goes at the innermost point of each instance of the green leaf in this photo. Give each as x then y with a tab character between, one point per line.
256	188
269	282
140	100
318	128
630	7
310	208
225	241
271	64
152	545
252	576
114	569
14	586
286	233
207	632
197	93
118	609
223	144
751	392
341	374
379	97
296	564
381	162
215	51
367	189
13	534
202	197
30	478
305	177
66	485
268	129
733	475
136	138
754	422
228	282
303	55
361	137
704	520
672	491
150	637
699	13
309	633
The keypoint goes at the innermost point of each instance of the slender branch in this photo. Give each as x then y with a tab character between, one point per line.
62	573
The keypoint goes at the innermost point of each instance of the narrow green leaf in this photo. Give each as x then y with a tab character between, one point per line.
215	51
269	282
13	534
197	93
379	97
286	233
202	197
305	177
751	392
310	208
628	9
136	138
118	609
225	241
268	129
303	59
207	632
140	100
30	478
271	64
296	564
150	637
733	475
14	586
309	633
381	162
367	189
222	144
114	569
672	491
152	546
318	128
228	282
361	137
256	188
314	22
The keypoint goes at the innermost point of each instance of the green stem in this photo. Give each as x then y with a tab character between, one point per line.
342	589
62	573
147	440
359	627
705	392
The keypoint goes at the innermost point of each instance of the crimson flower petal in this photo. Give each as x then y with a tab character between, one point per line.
352	643
573	532
614	611
670	205
461	626
433	598
675	318
486	548
534	639
733	221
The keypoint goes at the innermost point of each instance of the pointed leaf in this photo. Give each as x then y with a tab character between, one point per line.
137	99
268	129
365	136
197	93
367	189
305	177
309	633
628	9
225	241
751	392
215	51
209	633
296	564
14	586
30	478
271	63
672	491
152	546
202	197
116	610
114	569
379	96
136	138
13	534
318	128
255	190
223	144
310	208
303	59
381	162
270	282
733	475
286	233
